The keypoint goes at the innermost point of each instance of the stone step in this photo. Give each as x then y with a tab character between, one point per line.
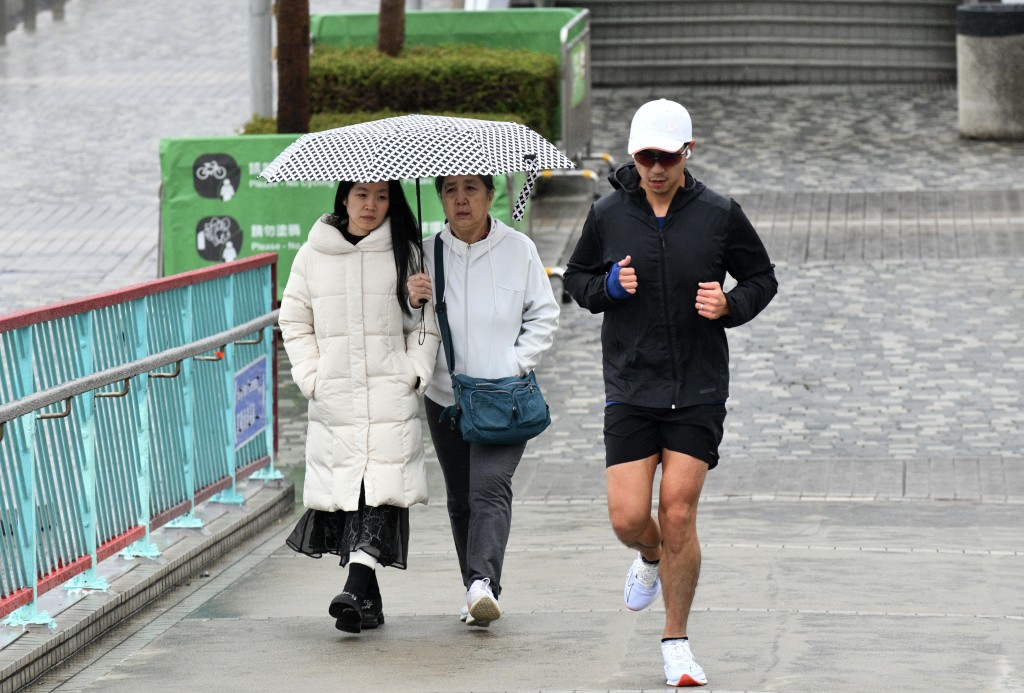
644	28
765	71
858	53
934	10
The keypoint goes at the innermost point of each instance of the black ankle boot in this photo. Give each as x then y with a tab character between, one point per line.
346	608
372	611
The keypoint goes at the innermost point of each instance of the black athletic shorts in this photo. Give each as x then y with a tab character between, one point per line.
634	433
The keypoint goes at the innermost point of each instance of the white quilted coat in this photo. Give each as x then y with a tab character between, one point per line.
358	360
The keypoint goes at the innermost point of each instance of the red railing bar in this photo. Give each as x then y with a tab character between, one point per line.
63	574
161	519
15	601
213	489
31	316
246	470
119	542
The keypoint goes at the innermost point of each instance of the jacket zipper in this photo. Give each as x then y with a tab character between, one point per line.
668	322
465	305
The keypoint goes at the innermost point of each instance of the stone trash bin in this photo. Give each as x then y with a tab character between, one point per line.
990	70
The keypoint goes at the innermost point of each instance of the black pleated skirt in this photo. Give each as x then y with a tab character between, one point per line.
382	532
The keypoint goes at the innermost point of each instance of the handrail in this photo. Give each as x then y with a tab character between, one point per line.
93	381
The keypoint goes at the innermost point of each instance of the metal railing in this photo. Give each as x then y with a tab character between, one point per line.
120	412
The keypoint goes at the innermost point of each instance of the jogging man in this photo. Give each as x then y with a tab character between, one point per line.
653	257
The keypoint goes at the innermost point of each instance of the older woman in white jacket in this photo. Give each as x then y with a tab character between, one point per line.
502	316
361	357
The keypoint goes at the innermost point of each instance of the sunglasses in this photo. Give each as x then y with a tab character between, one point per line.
649	157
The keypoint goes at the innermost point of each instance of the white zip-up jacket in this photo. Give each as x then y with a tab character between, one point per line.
501	309
357	358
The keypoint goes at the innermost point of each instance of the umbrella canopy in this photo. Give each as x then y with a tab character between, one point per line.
415	146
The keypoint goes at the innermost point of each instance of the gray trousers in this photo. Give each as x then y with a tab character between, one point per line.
478	479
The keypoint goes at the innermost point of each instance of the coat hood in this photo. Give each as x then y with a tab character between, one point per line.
499	232
627	179
325	236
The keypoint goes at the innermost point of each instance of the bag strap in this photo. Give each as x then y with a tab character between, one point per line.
440	307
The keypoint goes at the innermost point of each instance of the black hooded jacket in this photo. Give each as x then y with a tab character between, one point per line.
658	352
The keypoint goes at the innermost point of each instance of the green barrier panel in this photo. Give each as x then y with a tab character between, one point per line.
214	207
527	29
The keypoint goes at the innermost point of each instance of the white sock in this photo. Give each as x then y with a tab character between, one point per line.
361	556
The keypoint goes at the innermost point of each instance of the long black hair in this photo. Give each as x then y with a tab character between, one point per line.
405	235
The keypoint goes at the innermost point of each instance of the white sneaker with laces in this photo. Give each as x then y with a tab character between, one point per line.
680	667
483	605
642	584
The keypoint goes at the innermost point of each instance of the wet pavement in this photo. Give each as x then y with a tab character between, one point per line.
864	529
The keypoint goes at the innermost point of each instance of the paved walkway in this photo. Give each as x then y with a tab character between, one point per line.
864	530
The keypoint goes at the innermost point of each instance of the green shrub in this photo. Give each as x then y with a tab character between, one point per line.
326	121
437	79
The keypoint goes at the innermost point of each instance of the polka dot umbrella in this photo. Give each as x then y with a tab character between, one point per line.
416	146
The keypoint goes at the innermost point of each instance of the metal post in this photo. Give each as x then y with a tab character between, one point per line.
189	519
260	41
229	495
144	547
27	536
88	579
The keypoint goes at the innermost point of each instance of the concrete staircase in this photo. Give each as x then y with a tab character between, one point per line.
646	42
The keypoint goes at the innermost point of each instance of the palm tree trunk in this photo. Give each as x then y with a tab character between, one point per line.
391	27
292	66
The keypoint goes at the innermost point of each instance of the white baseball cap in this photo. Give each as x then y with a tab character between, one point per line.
663	125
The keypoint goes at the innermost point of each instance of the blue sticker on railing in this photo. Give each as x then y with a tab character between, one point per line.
250	401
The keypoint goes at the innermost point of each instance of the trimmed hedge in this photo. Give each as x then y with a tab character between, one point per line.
327	121
437	79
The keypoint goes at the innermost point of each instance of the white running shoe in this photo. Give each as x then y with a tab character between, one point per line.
483	605
680	667
642	584
464	614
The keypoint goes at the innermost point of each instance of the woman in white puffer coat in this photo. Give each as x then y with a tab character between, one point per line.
361	357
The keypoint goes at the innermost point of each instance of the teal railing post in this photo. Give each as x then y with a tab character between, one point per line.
88	579
27	534
229	495
189	519
144	547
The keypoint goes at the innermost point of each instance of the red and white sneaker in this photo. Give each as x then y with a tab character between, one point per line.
680	667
